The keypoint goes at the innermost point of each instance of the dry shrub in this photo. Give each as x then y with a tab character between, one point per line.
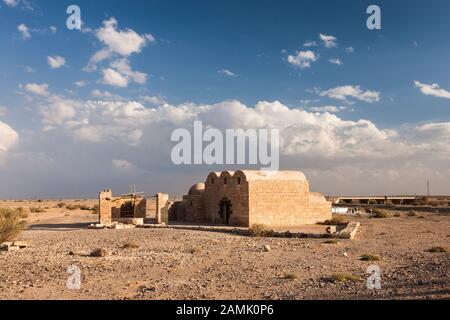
437	250
37	210
193	250
332	241
412	213
260	230
381	214
61	205
131	245
95	209
369	257
343	277
11	224
336	221
99	253
290	276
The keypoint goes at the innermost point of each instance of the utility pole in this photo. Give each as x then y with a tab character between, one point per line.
428	188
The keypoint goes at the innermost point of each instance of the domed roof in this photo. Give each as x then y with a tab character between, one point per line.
254	175
197	189
274	175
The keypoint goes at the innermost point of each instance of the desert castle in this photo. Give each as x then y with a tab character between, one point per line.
240	198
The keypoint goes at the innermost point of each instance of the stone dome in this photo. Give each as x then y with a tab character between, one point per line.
196	189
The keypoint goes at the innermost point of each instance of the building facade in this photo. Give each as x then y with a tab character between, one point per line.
246	198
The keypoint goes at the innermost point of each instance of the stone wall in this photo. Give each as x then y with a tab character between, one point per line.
111	209
286	204
223	187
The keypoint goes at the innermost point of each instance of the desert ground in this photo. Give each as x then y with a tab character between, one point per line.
187	264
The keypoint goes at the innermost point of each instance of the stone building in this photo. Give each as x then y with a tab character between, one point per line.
128	208
246	198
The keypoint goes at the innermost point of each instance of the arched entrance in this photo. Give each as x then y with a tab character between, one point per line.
225	210
127	210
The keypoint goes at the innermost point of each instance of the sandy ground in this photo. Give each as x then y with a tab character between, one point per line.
186	264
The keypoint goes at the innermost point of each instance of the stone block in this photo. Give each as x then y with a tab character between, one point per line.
20	244
349	232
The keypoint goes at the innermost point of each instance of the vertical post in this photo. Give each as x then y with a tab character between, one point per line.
104	207
161	203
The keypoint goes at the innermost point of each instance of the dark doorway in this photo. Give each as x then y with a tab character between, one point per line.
225	210
127	210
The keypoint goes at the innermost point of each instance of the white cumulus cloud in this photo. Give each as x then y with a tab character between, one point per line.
38	89
124	68
11	3
328	40
432	90
345	92
303	59
336	61
123	164
117	42
8	139
227	73
330	109
114	78
56	62
24	31
310	43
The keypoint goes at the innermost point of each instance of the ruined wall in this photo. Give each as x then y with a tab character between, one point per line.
162	208
111	209
104	206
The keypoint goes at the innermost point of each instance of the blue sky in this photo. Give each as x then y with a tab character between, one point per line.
209	52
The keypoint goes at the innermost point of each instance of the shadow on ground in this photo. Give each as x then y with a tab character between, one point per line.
59	226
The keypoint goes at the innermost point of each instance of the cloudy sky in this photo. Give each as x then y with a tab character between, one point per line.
359	111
